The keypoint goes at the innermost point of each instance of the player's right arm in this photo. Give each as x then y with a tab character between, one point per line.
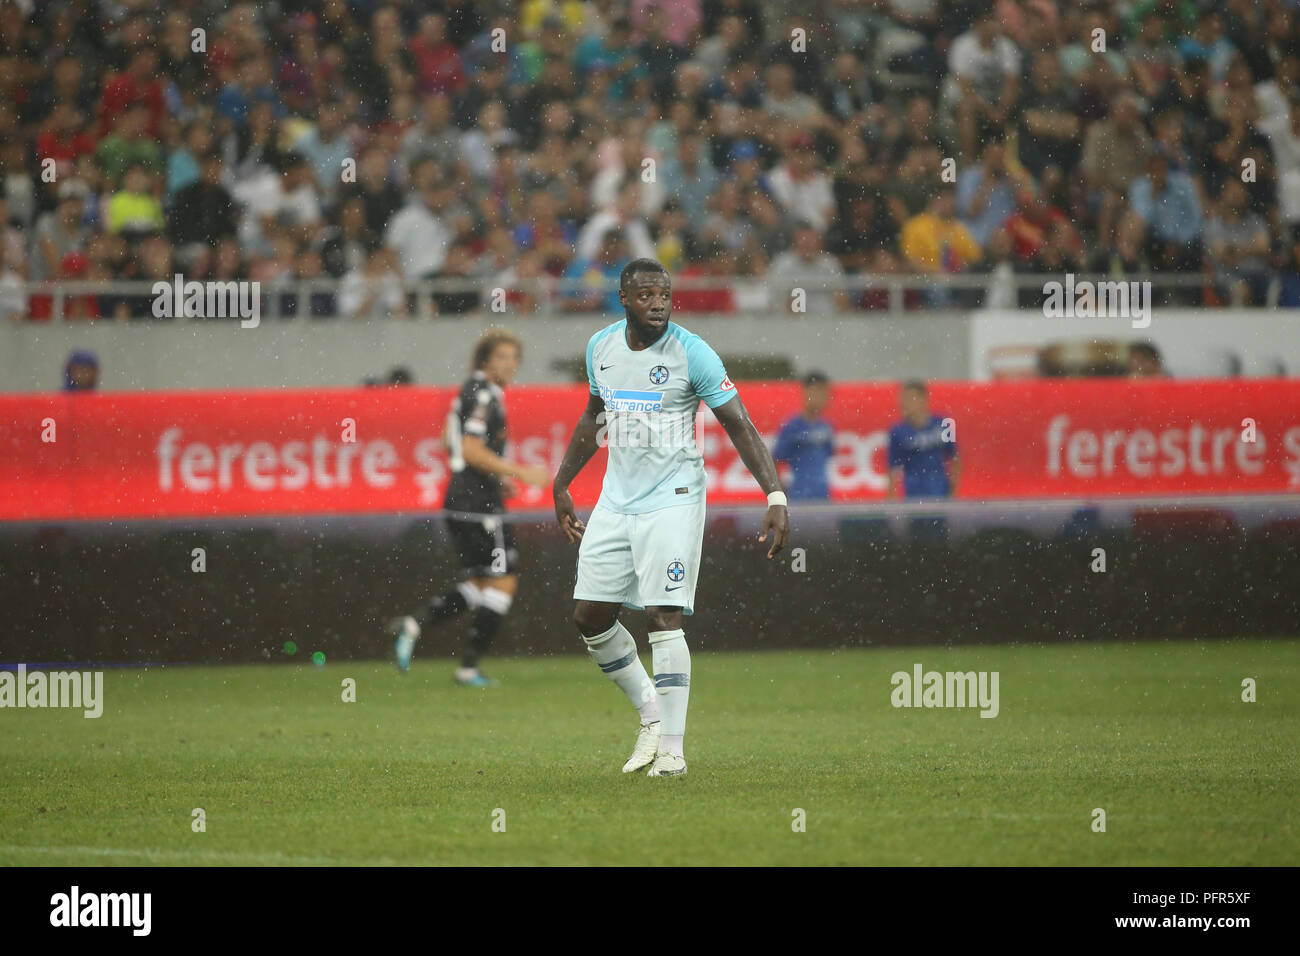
582	446
478	455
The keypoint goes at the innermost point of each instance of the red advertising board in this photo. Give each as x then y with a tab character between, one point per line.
176	454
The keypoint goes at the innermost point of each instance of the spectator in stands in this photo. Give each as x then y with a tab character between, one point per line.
806	442
862	228
691	179
1049	119
725	221
480	144
1000	292
1115	152
1289	284
785	104
625	217
435	137
252	86
128	144
1280	122
320	303
672	237
983	81
137	85
936	240
183	163
133	210
202	214
1167	204
1152	62
419	234
61	231
923	460
327	146
437	60
13	297
1033	224
744	167
298	206
458	268
716	263
64	139
772	228
806	279
801	187
1209	44
380	196
154	256
13	242
1144	360
343	247
81	372
848	90
593	283
375	290
1237	247
986	192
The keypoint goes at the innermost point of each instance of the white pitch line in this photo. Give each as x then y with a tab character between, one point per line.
233	856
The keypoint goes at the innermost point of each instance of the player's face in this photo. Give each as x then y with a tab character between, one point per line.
503	364
913	404
648	300
816	398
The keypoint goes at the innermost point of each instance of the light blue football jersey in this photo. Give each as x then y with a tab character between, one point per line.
651	398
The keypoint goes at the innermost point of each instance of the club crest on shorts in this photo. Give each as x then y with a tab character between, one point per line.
676	571
658	375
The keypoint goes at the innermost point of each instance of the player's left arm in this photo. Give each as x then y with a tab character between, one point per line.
954	473
954	467
734	419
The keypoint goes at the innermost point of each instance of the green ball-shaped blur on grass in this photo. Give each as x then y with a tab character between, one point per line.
318	659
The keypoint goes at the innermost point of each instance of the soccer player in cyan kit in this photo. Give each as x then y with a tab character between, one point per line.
481	480
641	547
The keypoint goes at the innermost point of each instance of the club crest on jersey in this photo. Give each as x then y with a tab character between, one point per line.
676	571
658	375
726	384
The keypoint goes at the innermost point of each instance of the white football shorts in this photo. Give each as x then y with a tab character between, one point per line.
644	560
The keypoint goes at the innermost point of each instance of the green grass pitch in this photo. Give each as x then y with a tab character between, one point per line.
287	773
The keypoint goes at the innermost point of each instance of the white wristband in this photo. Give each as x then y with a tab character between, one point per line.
776	498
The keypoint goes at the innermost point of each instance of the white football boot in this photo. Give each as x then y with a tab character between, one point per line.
667	765
647	746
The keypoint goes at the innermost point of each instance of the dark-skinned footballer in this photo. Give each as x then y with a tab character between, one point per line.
641	546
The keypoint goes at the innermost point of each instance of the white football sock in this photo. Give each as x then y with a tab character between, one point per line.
615	652
672	664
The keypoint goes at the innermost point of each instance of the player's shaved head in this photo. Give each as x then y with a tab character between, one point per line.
638	267
645	292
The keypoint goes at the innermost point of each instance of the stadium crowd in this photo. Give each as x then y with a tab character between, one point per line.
388	142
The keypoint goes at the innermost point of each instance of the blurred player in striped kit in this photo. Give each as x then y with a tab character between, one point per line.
482	478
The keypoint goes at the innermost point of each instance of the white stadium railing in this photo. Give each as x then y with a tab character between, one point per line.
285	298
